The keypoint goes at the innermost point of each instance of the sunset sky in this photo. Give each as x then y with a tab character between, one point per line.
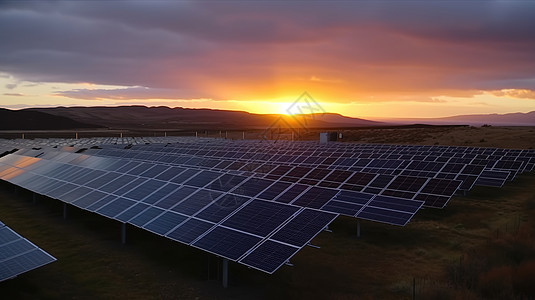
369	59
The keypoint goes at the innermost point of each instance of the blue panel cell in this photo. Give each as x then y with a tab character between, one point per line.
146	188
226	182
304	227
100	203
354	197
290	194
164	223
170	173
61	190
129	186
103	180
343	208
315	197
87	177
252	187
154	171
190	230
161	193
116	207
405	205
260	217
184	176
175	197
196	202
146	216
269	256
118	183
221	208
89	199
131	212
227	243
202	178
75	194
140	168
385	216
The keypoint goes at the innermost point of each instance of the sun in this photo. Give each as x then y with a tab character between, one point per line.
284	108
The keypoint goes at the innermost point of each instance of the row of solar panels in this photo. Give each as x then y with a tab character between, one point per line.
495	169
316	154
18	255
362	205
133	190
10	144
435	192
258	233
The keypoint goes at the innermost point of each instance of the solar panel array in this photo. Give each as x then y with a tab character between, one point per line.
18	255
196	207
306	163
255	202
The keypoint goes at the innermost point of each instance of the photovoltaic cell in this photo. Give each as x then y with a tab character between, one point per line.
190	230
227	243
269	256
260	217
164	223
304	227
221	208
315	197
196	202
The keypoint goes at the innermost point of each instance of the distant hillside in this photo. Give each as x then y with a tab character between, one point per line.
495	119
161	117
36	120
511	119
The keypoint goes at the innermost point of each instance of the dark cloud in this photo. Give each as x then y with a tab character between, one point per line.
130	93
229	50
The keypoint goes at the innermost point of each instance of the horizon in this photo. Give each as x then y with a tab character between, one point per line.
369	60
286	114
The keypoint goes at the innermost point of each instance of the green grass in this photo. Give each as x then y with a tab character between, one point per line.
93	264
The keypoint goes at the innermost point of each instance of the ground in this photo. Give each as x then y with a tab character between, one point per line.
383	263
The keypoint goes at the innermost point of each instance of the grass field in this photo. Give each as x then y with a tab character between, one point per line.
437	250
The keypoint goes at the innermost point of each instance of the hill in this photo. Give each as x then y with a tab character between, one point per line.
37	120
511	119
161	117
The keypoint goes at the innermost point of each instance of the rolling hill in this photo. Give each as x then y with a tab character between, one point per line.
36	120
161	117
511	119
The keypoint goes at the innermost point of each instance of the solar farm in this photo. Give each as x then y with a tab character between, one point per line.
256	203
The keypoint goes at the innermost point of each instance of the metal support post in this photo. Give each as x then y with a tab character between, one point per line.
123	233
225	272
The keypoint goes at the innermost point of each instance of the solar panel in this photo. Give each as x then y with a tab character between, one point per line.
221	208
227	242
303	227
190	230
18	255
269	256
165	222
260	217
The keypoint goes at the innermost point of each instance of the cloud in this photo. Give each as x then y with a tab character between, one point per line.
515	93
11	86
129	93
13	94
262	49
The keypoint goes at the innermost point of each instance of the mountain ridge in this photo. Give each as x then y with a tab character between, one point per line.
163	117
